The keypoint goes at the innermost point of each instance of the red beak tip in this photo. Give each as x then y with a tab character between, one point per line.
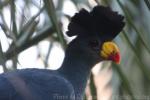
116	58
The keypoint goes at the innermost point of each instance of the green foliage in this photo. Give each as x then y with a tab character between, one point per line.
52	14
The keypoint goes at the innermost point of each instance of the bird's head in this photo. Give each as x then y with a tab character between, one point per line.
95	31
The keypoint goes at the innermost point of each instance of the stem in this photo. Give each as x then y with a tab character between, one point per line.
16	50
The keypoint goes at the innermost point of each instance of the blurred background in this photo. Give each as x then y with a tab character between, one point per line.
32	35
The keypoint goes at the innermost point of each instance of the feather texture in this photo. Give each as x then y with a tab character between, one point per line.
101	21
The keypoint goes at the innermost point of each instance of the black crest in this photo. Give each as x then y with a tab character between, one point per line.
101	21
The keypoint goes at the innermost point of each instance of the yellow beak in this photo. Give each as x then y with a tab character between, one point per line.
110	51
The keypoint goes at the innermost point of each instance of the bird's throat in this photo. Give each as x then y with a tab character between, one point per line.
76	68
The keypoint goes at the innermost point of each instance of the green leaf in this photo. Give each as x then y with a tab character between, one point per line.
52	14
128	18
4	3
137	56
5	27
41	35
93	88
147	2
48	54
2	59
31	22
13	18
124	80
27	34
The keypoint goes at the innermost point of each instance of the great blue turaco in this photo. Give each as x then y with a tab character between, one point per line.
94	31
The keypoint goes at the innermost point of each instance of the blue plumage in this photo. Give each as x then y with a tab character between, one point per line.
34	84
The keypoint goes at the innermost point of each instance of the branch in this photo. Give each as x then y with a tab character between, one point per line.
16	50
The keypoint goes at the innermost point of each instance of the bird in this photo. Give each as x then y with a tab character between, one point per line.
94	31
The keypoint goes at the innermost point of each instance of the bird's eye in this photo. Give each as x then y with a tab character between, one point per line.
94	43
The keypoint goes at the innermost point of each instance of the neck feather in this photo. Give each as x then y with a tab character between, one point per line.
76	68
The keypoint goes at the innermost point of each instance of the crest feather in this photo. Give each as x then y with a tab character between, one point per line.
101	21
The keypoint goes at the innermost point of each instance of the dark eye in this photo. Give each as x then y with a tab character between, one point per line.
94	43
